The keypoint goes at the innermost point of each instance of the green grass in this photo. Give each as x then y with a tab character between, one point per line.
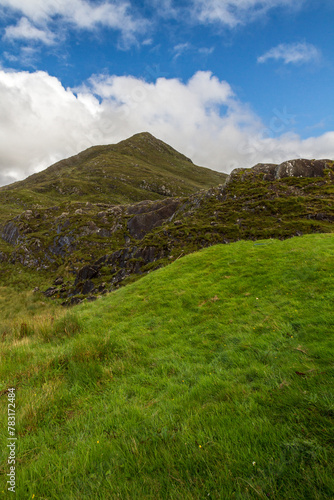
210	378
139	168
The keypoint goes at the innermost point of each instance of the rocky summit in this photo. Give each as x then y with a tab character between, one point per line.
113	213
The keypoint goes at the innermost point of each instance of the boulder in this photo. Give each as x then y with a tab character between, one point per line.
87	272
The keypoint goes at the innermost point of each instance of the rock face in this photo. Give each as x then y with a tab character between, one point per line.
148	215
121	264
10	233
87	272
292	168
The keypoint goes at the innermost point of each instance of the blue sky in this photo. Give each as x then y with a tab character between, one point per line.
228	82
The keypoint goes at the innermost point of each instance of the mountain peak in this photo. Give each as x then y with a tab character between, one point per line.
138	168
147	144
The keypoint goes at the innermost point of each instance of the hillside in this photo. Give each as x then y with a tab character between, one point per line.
210	378
76	250
139	168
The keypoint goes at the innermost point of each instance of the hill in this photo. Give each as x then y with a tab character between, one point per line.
210	378
55	220
76	250
139	168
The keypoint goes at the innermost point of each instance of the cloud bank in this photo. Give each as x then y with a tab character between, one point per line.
41	122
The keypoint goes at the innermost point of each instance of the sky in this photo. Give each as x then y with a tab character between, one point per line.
229	83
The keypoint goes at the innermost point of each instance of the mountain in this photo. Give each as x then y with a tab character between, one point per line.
133	170
82	247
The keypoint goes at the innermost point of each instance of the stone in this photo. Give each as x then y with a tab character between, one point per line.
50	291
73	301
58	281
91	298
87	272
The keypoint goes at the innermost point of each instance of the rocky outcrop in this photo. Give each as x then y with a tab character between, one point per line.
10	233
62	245
132	258
149	215
121	264
291	168
87	273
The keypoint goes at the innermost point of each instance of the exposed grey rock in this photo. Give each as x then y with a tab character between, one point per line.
87	272
61	245
50	291
92	298
291	168
73	301
87	287
63	225
58	281
104	233
28	214
321	216
10	233
150	215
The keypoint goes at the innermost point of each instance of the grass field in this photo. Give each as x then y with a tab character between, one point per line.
210	378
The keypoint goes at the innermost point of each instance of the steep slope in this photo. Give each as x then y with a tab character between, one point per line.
211	378
136	169
95	247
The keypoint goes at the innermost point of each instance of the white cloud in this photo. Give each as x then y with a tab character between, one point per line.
24	30
181	48
165	8
26	55
293	53
42	122
206	51
231	13
81	14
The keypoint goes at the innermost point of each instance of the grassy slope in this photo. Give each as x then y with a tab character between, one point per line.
210	378
139	168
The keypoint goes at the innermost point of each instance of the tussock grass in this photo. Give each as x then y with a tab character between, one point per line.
210	378
25	314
